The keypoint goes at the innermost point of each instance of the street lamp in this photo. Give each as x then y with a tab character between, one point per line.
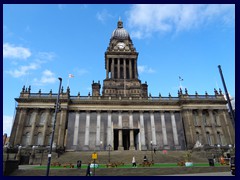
218	151
53	129
152	150
230	148
109	148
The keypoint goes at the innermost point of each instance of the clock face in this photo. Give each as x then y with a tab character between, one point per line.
121	45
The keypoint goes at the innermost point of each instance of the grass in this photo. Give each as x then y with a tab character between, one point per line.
157	165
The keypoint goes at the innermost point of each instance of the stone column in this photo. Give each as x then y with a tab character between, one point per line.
45	127
109	129
98	136
107	68
120	141
118	68
86	140
164	130
124	68
62	125
135	69
113	64
174	129
153	131
216	140
20	124
227	127
33	128
130	68
58	121
142	132
204	137
131	131
76	129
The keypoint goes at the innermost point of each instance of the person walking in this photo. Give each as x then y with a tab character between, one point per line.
134	162
145	158
88	171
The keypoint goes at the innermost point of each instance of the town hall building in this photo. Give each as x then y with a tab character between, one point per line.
120	113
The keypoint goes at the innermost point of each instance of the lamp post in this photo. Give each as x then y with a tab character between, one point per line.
53	129
218	146
227	96
230	148
109	148
152	150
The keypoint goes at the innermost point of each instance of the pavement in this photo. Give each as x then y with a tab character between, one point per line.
204	174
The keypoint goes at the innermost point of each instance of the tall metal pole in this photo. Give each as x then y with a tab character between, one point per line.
53	129
228	99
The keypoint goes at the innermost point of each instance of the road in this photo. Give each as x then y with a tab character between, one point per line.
205	174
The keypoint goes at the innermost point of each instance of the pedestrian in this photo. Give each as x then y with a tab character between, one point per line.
145	158
79	164
88	171
134	162
154	150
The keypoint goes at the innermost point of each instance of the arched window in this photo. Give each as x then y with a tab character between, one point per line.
52	119
30	118
198	137
26	139
49	139
215	117
219	138
39	139
195	118
43	118
208	138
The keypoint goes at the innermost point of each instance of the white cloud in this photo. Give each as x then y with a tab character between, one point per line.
7	124
46	55
23	70
15	52
48	77
145	69
145	19
103	15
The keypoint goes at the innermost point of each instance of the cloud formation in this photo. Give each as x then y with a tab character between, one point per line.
103	15
48	77
23	70
145	69
145	19
15	52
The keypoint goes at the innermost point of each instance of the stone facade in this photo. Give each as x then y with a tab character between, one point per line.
124	116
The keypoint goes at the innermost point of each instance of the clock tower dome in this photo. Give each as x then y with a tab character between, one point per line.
121	67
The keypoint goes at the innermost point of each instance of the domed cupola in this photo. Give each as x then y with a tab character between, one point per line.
120	33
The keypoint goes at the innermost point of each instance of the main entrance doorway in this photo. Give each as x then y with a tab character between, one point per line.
126	138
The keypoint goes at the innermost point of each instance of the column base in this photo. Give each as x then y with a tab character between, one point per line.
120	148
177	147
86	147
166	147
143	147
97	148
131	148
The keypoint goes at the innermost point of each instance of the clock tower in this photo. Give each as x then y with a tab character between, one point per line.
121	67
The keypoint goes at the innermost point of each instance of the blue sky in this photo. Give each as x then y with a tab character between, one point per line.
44	42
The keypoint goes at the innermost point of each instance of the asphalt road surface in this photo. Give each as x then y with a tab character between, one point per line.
206	174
